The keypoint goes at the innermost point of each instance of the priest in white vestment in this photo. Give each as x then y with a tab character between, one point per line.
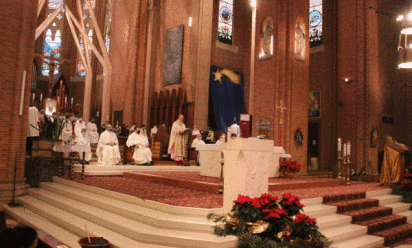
79	126
83	139
92	132
142	153
67	129
197	141
177	140
233	131
33	130
221	140
108	152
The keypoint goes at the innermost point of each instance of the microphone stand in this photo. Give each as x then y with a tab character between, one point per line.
13	203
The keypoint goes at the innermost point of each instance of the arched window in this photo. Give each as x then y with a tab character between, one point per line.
315	23
108	22
52	38
225	23
81	71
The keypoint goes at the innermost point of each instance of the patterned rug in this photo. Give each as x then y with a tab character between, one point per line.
199	199
378	219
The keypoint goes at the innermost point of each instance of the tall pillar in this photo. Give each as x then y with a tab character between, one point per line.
17	48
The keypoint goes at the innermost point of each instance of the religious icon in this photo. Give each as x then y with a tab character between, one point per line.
300	40
314	104
266	39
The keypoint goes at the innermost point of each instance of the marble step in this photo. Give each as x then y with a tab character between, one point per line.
333	220
388	199
404	246
318	210
148	216
372	194
338	234
408	215
77	225
174	210
130	228
28	218
398	207
367	241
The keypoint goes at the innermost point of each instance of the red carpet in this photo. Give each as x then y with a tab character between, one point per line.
199	199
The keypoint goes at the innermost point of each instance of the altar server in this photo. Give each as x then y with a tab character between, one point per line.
108	152
92	132
83	139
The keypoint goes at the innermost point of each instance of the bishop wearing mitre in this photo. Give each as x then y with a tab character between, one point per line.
177	140
142	153
108	152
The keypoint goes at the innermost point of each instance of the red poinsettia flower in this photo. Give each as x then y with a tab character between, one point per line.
274	213
303	218
256	203
241	199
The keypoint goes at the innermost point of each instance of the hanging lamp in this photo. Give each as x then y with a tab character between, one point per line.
405	41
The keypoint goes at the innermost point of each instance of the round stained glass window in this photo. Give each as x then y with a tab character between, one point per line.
225	14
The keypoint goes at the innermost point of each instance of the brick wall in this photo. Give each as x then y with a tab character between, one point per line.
17	25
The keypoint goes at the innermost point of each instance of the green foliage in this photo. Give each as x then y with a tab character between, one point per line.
51	128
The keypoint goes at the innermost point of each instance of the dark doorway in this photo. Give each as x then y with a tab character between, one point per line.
313	145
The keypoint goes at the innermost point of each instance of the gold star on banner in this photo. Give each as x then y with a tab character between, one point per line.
218	76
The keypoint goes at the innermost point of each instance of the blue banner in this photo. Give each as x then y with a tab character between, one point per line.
227	95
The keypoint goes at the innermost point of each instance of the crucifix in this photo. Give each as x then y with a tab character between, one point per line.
282	108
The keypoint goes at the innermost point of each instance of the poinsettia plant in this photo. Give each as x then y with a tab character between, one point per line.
268	221
290	166
405	187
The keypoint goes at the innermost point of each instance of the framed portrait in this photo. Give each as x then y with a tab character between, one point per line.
314	104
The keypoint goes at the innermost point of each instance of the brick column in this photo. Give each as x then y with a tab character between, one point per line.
17	25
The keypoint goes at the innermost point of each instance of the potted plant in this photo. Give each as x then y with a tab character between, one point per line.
289	168
268	221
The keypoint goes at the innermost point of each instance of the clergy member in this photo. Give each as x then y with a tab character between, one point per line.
197	141
67	129
83	139
177	140
79	126
108	152
92	132
142	153
233	131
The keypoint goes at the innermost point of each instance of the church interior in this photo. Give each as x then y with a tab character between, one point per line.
328	84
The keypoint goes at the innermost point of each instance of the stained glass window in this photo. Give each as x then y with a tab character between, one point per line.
225	25
81	70
315	23
108	22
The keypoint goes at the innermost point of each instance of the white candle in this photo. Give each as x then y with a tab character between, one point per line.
65	101
344	150
97	114
348	148
339	145
71	104
41	99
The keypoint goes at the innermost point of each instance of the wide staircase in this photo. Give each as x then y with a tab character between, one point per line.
64	208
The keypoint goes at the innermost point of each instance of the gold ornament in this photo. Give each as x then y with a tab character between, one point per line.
258	227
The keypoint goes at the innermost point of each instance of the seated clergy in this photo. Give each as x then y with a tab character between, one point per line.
83	139
79	126
67	129
197	141
92	132
142	153
108	152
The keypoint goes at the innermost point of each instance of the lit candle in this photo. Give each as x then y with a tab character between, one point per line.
339	145
41	99
348	148
344	150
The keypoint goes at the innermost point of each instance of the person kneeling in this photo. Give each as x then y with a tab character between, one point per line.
142	153
108	152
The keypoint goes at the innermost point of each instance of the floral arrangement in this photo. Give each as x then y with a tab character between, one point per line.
69	110
51	127
405	187
299	137
290	166
269	222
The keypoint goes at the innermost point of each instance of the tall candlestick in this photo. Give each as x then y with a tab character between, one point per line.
344	150
339	145
97	114
58	103
34	97
65	101
41	99
348	148
71	104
